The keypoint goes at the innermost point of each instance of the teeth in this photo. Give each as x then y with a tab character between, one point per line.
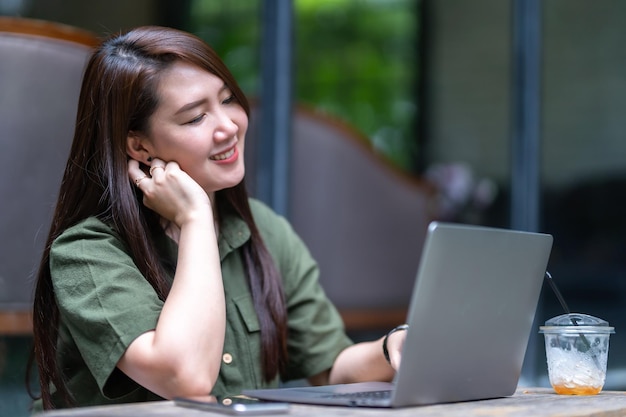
224	155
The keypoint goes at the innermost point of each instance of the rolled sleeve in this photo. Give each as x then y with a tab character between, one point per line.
104	301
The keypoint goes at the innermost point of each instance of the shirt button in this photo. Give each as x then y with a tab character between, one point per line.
227	358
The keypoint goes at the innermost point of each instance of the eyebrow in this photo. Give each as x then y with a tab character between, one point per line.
197	103
190	106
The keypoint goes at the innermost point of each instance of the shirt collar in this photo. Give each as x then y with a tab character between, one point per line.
234	232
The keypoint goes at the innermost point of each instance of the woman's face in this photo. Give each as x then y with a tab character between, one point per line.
199	124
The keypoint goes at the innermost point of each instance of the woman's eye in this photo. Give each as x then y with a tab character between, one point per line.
196	120
229	99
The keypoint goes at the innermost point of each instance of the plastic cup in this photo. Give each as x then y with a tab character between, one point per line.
577	349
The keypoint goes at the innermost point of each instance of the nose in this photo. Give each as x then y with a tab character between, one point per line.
225	127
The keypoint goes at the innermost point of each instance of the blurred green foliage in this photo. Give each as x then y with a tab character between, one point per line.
233	29
354	59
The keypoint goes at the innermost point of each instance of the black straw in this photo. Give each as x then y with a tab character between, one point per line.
567	310
557	293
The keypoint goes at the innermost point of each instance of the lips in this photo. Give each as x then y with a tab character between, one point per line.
223	156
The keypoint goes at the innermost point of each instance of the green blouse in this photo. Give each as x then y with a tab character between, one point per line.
105	303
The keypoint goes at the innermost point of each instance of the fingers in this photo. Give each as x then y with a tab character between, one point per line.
168	190
157	165
139	179
153	168
133	169
137	175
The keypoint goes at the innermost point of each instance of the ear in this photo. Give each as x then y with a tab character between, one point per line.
138	146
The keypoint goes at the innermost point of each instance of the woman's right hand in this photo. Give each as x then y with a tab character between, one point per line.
182	357
170	191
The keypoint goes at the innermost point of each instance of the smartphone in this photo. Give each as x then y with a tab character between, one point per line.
235	405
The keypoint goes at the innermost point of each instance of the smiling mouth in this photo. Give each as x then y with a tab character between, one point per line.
222	156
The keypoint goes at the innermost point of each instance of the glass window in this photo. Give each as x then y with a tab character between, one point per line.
357	60
584	163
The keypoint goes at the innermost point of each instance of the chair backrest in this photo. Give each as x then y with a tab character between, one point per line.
40	75
363	219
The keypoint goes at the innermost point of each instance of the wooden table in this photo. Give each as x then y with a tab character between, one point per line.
536	402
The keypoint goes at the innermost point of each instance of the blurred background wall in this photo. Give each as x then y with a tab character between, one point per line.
583	169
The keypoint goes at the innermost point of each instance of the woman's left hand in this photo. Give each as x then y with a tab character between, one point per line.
395	344
365	361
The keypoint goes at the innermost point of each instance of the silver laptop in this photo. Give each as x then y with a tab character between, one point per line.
470	319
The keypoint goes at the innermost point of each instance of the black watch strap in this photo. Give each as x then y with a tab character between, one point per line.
392	331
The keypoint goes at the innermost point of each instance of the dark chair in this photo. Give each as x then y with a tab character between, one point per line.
40	74
362	218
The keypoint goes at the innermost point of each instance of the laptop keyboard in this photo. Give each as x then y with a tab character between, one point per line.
367	396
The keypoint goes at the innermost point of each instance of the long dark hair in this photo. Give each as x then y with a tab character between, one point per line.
118	94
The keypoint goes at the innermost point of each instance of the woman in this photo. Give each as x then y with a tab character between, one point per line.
160	277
